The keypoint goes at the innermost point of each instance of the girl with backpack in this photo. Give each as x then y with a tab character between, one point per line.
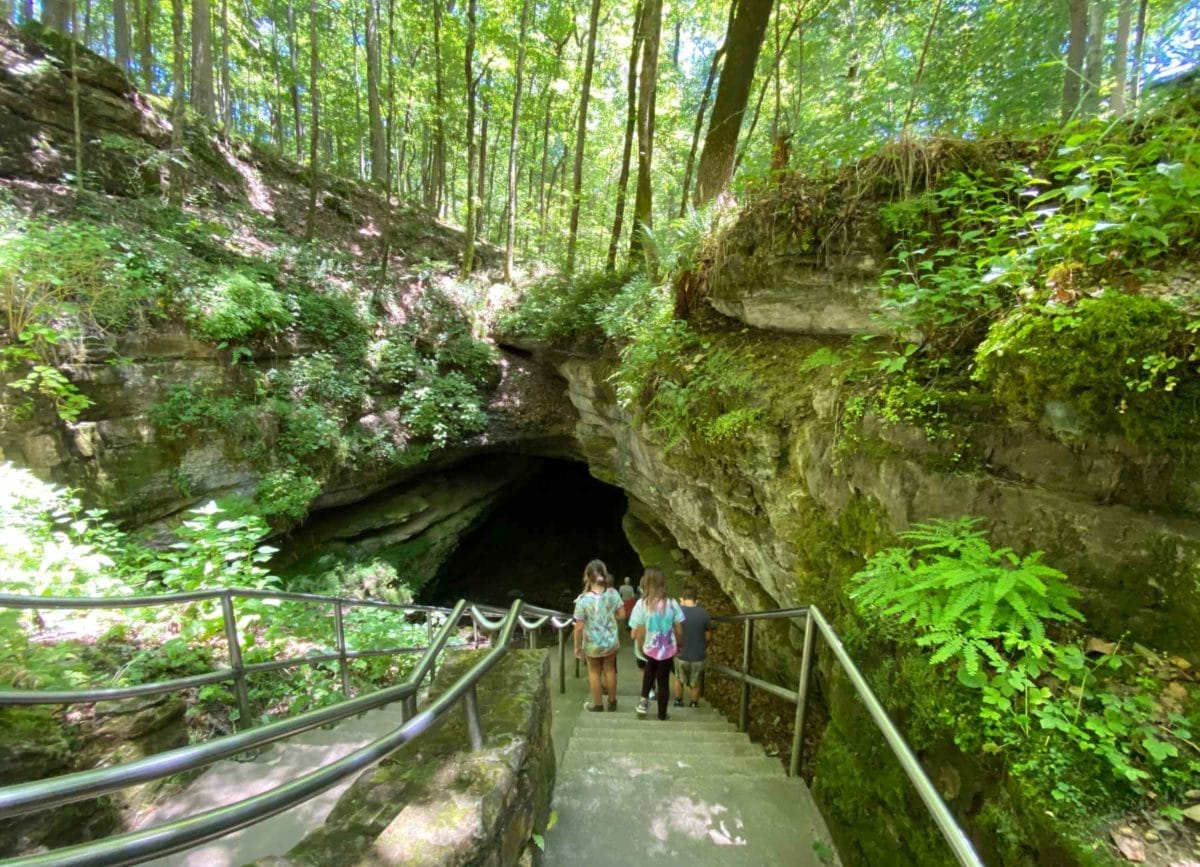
657	624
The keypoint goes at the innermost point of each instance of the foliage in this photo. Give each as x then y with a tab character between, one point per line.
1065	721
235	306
442	409
965	600
1117	363
560	309
286	494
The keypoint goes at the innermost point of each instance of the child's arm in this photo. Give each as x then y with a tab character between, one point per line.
579	638
639	636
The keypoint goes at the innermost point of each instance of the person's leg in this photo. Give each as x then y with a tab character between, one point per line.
662	673
594	667
610	679
647	678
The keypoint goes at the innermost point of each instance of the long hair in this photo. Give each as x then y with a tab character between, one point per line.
595	572
654	588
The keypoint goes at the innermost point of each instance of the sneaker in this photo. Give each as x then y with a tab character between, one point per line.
612	705
592	708
643	707
664	717
679	703
694	704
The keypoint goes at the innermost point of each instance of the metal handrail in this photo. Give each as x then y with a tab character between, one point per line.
41	794
185	833
954	835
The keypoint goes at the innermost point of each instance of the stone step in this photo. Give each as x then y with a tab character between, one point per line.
730	819
636	766
673	749
599	739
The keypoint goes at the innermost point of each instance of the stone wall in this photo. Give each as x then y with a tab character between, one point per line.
436	803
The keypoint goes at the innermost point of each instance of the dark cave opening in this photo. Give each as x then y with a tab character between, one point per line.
535	543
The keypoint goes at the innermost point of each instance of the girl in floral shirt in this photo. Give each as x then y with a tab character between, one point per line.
657	624
596	613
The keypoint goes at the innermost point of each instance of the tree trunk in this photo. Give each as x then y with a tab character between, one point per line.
1093	68
203	99
699	124
146	42
374	111
55	14
746	31
772	75
1076	48
916	88
643	205
358	129
121	40
1120	67
77	121
631	113
314	121
177	113
480	186
277	114
469	76
1135	80
581	138
226	87
294	86
510	203
543	194
436	194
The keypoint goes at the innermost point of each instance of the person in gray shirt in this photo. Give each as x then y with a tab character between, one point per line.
689	662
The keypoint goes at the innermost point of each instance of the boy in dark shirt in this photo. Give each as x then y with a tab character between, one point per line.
689	662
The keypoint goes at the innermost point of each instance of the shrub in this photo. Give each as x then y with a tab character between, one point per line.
332	319
235	306
441	409
286	494
395	362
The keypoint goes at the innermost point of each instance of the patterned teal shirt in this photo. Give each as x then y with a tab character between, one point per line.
597	613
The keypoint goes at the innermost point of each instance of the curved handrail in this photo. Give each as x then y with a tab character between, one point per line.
182	834
814	623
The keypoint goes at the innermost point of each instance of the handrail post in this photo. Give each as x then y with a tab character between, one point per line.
747	652
339	632
802	692
533	638
562	660
429	642
235	660
471	703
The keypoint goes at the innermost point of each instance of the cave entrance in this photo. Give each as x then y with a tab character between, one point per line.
535	543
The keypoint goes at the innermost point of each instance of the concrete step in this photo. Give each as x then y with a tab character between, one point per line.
673	749
676	767
631	722
730	819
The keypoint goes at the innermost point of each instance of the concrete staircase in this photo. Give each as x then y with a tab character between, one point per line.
689	789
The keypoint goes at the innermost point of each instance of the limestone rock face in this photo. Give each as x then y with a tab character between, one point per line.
799	294
780	523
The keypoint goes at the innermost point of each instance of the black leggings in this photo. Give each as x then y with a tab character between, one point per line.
655	675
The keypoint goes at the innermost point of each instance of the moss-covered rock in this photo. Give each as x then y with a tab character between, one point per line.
434	801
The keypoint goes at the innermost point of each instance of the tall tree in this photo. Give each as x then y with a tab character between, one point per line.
1076	48
374	112
435	193
121	35
1093	65
177	105
1120	65
713	66
146	21
226	85
510	203
581	137
643	206
1135	80
744	41
203	99
468	261
314	120
294	82
631	114
56	14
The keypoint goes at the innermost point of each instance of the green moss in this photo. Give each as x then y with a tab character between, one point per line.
1117	364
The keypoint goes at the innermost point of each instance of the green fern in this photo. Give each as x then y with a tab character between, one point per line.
967	601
